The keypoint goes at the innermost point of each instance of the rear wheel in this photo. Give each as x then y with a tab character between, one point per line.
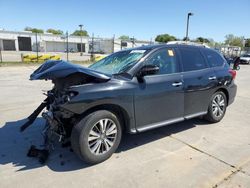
217	107
96	137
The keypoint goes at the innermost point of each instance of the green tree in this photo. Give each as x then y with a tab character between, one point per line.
33	30
165	38
54	31
124	37
234	40
80	33
202	40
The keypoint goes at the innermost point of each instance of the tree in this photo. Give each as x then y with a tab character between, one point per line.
33	30
202	40
234	40
80	33
165	38
247	43
54	31
124	37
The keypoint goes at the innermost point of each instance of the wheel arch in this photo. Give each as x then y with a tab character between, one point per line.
224	90
122	114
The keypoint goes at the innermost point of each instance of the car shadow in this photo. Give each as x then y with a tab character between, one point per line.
14	145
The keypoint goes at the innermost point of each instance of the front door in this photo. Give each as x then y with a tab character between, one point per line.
159	99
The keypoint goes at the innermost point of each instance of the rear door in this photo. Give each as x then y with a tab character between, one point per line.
199	81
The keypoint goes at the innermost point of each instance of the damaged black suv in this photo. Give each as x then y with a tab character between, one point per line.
133	90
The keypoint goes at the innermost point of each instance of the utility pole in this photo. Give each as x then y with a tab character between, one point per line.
189	14
67	45
81	37
36	48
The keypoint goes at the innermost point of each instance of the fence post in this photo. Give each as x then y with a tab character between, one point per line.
113	49
92	51
1	58
22	57
36	48
67	45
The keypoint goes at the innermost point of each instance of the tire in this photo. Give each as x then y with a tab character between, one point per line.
90	143
214	115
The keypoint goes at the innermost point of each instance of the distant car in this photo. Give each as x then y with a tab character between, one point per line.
71	50
133	90
245	59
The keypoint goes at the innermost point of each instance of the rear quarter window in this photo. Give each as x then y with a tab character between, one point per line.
214	58
192	59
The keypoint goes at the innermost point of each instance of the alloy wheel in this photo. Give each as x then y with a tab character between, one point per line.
218	105
102	136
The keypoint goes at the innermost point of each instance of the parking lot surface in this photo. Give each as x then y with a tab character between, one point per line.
193	153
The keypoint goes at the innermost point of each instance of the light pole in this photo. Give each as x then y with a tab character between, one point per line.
81	37
189	14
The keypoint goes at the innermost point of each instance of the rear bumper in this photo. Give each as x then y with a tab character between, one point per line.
232	90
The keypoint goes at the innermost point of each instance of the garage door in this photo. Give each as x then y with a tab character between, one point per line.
9	45
79	47
59	46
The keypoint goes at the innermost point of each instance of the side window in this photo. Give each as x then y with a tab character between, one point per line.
165	59
192	59
214	59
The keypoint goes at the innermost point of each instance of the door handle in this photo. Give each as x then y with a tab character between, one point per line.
177	84
212	78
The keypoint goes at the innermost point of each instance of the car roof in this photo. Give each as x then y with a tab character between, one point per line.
156	46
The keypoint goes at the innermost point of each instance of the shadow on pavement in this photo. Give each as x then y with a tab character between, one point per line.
14	145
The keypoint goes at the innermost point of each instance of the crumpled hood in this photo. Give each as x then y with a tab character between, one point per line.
54	69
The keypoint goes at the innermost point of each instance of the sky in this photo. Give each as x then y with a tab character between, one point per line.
142	19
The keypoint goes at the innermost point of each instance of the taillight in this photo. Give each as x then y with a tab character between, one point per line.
233	73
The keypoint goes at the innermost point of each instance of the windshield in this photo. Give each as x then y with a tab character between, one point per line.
118	62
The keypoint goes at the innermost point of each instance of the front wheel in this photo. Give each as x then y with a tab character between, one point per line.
217	107
96	137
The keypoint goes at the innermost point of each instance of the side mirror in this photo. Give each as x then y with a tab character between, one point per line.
148	70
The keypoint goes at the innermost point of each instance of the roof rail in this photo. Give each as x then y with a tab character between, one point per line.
188	43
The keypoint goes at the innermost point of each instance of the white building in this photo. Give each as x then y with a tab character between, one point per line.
26	41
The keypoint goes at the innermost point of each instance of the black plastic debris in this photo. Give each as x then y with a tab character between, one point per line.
41	154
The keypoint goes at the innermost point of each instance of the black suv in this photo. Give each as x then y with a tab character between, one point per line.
133	90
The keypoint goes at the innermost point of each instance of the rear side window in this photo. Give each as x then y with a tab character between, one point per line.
214	59
192	59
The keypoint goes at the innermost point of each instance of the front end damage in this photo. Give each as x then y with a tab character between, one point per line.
58	120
